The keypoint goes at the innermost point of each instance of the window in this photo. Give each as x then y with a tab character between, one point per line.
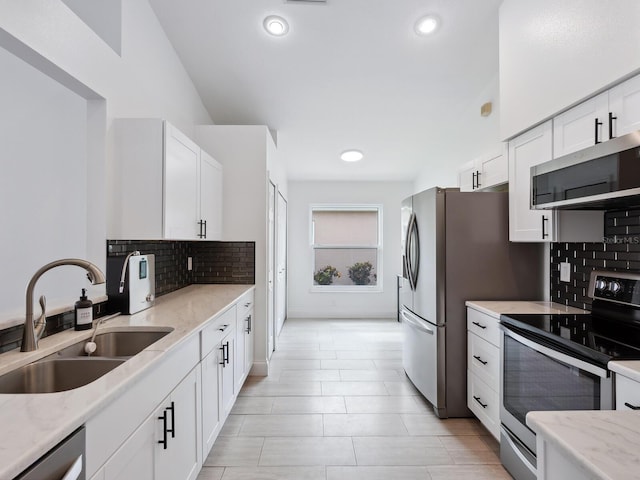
346	243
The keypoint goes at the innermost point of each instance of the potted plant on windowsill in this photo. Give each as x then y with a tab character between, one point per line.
325	275
360	273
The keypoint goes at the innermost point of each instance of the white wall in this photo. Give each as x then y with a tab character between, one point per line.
43	183
147	80
245	152
555	54
304	303
470	137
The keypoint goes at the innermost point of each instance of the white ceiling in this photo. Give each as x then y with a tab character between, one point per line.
350	74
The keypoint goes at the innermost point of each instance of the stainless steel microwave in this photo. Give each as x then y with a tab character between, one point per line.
604	176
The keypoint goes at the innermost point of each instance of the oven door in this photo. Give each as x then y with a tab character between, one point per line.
535	377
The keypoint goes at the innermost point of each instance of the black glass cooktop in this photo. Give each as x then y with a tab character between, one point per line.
592	337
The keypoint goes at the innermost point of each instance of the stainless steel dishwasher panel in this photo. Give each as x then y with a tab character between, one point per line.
66	461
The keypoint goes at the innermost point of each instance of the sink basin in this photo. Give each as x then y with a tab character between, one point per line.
56	375
71	367
116	344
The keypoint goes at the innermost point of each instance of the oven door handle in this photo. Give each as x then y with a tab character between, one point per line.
561	357
516	449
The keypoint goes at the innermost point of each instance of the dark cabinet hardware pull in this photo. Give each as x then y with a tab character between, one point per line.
226	355
479	325
632	407
248	324
544	230
477	399
247	304
597	124
163	442
611	119
224	327
205	229
477	357
172	431
478	179
200	234
222	362
473	181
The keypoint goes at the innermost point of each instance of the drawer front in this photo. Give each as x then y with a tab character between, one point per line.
483	359
483	325
245	304
627	392
211	335
483	402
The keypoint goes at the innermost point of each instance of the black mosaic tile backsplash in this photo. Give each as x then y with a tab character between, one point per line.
213	262
619	251
11	338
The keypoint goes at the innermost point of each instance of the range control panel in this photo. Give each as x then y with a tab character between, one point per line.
615	287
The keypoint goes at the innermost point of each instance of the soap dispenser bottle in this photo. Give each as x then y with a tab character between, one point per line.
84	312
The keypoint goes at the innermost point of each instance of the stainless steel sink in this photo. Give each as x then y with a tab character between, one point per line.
71	367
56	375
116	344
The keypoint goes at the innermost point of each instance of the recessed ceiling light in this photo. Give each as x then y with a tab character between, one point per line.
276	26
352	155
427	25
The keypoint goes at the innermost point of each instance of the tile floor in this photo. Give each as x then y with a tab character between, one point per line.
338	406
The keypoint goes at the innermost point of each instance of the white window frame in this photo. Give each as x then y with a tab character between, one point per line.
336	207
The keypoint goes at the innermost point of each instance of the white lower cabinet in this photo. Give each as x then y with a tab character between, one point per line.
166	445
211	417
226	372
135	458
483	401
137	437
627	393
244	339
483	369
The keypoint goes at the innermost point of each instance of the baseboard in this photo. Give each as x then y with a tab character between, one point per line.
259	369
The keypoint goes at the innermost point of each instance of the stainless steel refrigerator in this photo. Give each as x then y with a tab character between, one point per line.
456	248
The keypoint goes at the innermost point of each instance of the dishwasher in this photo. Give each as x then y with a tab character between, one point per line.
65	461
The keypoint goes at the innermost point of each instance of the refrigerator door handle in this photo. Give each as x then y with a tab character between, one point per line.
412	245
409	319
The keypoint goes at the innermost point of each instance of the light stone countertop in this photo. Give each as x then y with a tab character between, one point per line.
34	423
627	368
496	308
604	444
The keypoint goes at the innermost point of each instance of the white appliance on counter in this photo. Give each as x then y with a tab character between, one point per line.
456	248
131	282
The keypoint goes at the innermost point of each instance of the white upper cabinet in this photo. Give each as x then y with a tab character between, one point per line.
624	105
529	225
181	185
210	197
163	185
581	126
467	176
611	114
484	172
529	149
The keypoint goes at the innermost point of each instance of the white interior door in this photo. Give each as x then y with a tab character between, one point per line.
281	263
271	243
